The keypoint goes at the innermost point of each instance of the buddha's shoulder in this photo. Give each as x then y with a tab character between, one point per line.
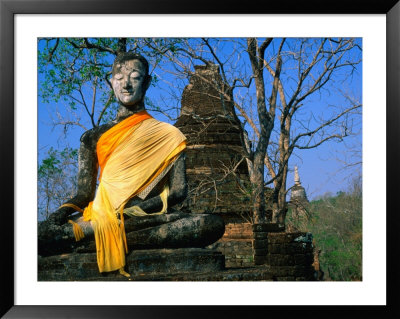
92	135
169	127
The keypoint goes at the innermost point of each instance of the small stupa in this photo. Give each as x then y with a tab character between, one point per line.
298	192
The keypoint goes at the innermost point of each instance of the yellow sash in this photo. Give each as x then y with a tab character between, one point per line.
131	155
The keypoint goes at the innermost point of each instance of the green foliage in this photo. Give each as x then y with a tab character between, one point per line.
74	74
69	74
49	165
336	225
56	180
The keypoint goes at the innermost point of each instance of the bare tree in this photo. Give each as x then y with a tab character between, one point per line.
285	74
318	64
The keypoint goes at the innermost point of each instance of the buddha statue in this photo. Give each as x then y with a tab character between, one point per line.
140	165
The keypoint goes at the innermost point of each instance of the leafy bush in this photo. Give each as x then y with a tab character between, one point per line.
336	224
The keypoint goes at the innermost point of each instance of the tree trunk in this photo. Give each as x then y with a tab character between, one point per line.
266	118
258	196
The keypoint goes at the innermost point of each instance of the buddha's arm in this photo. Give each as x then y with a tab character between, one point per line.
177	189
178	183
87	175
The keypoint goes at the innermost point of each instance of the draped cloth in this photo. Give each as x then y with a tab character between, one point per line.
131	155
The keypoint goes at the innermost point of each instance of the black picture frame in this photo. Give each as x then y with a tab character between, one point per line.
8	10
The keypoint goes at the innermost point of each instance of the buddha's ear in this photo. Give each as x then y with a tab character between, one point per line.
147	82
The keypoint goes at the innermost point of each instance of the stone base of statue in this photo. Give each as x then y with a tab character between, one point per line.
83	266
158	244
175	230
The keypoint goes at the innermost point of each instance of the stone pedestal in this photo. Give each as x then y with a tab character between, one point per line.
70	267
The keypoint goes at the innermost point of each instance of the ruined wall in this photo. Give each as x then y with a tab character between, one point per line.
290	256
236	244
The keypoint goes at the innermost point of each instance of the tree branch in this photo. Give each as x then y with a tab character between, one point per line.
216	58
263	47
106	105
53	50
89	45
327	123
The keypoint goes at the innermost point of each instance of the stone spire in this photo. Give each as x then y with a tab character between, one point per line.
296	176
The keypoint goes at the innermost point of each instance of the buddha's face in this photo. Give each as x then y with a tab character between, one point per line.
129	82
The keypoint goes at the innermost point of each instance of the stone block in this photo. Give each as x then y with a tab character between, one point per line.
301	271
260	243
260	260
175	260
288	278
89	266
303	259
283	238
260	235
260	251
268	227
278	249
280	260
299	248
301	279
295	271
74	265
84	266
241	256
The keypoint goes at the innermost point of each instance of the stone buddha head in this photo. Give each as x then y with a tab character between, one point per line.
130	78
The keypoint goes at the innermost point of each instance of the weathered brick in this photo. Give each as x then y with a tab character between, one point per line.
260	260
260	243
299	248
260	235
280	260
268	227
283	249
295	271
90	266
301	279
303	259
288	278
261	252
281	238
73	265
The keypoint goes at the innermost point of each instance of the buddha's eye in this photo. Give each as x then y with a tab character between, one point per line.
135	76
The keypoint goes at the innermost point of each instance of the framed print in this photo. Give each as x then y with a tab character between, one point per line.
376	25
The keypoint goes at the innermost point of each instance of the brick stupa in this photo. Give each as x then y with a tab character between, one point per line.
214	147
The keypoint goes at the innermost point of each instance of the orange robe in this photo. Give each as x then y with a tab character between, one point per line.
131	155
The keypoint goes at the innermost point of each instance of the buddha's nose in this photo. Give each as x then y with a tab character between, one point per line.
126	83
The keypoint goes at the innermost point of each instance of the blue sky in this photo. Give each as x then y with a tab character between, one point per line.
321	169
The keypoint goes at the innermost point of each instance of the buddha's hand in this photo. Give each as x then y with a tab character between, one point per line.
60	216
